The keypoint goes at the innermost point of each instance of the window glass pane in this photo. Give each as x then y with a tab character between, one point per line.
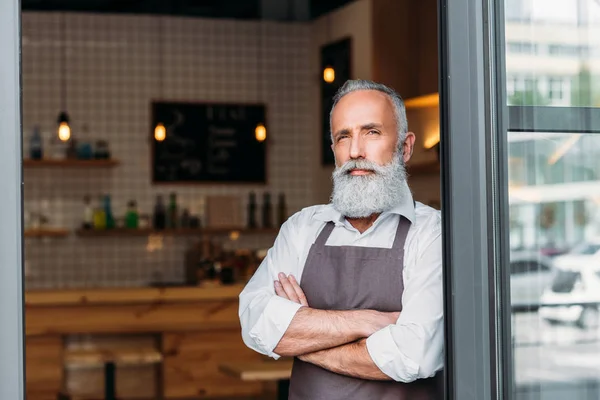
553	52
554	198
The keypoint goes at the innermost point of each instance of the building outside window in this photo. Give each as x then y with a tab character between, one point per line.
554	199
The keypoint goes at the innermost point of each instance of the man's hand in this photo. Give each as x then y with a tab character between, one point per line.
351	359
288	288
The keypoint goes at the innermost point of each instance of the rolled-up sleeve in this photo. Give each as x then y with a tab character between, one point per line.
264	316
413	347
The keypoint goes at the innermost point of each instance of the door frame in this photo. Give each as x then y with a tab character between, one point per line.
12	365
473	121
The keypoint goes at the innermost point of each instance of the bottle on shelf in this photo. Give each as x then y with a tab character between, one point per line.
110	219
88	213
267	211
173	215
36	147
84	148
132	217
100	215
44	214
160	214
251	213
185	219
281	210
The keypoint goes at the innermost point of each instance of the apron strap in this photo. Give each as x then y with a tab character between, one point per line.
324	235
401	233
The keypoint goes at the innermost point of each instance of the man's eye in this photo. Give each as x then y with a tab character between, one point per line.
341	137
372	132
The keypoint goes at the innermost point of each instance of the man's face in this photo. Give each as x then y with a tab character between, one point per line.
364	126
369	174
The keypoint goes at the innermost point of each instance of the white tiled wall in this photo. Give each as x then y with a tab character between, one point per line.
113	71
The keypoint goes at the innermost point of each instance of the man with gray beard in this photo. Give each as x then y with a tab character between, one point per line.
353	289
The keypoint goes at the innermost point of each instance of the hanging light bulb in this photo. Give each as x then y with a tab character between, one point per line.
260	132
64	130
329	74
160	132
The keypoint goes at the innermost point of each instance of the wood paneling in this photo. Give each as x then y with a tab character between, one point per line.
191	364
43	363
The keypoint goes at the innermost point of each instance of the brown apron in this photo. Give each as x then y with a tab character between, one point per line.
351	278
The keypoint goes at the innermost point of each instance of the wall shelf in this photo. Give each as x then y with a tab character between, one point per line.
50	163
45	232
124	232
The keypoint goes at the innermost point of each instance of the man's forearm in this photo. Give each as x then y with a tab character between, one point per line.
313	330
351	359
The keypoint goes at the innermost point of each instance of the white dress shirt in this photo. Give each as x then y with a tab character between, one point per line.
409	350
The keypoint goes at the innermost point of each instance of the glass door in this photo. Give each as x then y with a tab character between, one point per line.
552	55
520	121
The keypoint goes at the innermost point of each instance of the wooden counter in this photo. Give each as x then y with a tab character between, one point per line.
198	328
131	310
36	298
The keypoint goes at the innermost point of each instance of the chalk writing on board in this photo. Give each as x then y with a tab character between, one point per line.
209	142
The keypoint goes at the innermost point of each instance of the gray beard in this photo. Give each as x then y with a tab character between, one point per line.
364	195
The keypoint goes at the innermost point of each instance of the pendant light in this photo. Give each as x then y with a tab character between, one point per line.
329	74
260	132
160	132
329	70
64	129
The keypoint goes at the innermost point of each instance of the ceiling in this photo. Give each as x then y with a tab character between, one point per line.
233	9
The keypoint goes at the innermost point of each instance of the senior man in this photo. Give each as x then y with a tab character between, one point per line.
353	289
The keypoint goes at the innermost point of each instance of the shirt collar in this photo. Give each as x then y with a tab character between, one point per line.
406	208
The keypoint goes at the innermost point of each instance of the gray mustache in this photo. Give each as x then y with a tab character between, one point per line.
358	164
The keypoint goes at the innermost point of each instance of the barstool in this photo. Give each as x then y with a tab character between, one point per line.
109	359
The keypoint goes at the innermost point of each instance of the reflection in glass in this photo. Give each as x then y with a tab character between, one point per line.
553	52
554	197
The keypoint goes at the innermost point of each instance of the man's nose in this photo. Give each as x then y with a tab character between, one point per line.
356	147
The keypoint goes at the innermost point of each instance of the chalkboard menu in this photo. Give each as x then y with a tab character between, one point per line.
208	143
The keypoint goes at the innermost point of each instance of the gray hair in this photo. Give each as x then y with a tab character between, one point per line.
361	84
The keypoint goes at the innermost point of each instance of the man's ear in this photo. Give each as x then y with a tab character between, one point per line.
408	146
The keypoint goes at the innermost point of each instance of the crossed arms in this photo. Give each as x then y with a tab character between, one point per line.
278	321
334	340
